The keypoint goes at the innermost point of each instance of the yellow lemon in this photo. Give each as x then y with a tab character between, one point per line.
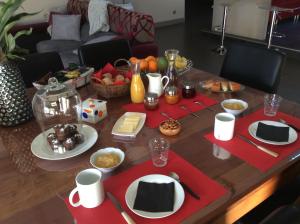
180	62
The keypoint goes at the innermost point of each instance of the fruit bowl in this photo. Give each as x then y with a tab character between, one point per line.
188	67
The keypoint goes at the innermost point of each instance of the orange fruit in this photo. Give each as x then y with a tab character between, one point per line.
150	58
143	65
133	60
152	66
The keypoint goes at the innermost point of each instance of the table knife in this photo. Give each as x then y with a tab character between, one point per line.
268	151
118	206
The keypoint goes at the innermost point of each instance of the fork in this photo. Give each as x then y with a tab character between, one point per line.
202	104
291	125
185	108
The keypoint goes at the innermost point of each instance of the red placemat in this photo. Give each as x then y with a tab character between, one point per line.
250	153
154	118
206	188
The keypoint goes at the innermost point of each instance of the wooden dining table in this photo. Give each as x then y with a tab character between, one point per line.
33	190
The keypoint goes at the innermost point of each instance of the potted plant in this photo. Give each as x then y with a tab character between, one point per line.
14	105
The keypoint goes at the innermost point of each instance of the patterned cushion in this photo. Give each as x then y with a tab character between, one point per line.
136	26
78	7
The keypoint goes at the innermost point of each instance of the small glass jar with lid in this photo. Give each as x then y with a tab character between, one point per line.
56	108
172	95
151	101
188	90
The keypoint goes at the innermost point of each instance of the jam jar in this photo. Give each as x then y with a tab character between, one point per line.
151	101
188	90
171	95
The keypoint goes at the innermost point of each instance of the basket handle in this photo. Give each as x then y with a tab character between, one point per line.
97	79
121	59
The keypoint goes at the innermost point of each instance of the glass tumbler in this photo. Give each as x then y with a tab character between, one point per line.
159	148
271	104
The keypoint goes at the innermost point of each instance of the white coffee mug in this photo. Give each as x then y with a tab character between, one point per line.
224	126
89	187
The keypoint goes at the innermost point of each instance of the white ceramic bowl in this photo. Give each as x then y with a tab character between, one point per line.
232	111
117	151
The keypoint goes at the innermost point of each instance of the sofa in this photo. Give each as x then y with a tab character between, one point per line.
137	28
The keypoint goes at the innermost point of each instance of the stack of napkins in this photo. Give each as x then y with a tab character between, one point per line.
272	133
155	197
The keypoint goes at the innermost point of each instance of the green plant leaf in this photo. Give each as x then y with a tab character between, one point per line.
8	20
7	11
22	32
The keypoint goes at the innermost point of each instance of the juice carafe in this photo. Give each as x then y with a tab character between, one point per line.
137	89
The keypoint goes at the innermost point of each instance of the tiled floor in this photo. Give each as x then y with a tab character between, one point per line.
197	45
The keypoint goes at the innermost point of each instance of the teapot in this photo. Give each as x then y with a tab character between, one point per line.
156	83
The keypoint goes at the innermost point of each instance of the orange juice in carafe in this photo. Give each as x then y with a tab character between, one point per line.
137	89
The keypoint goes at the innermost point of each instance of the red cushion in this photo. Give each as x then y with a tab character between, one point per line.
136	26
78	7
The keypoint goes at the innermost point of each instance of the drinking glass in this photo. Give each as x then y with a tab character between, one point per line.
272	103
159	148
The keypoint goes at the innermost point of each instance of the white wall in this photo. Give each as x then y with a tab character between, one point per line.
161	10
44	6
245	18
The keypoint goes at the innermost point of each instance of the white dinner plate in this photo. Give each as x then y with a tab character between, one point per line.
41	148
115	130
154	178
292	133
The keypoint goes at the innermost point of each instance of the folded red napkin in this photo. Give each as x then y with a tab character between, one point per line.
250	153
154	118
208	189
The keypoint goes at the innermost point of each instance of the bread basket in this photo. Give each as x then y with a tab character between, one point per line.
112	91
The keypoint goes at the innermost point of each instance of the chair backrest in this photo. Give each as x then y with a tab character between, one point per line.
37	65
254	66
98	54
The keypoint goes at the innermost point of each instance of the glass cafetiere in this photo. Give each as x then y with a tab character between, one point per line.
171	72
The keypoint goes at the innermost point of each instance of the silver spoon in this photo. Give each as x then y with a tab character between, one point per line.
166	115
292	126
202	104
187	109
185	187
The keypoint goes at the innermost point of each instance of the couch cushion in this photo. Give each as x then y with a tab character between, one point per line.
137	26
97	14
78	7
101	37
57	45
65	27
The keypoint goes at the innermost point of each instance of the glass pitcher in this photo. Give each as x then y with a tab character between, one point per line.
171	72
137	89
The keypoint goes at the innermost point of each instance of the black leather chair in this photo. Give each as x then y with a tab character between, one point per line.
35	66
98	54
254	66
285	214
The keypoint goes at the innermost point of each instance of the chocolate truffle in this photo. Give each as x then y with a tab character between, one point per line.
69	144
78	138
